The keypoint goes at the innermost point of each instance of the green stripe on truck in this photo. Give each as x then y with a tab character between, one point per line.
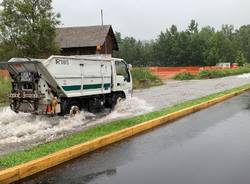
86	87
72	88
107	85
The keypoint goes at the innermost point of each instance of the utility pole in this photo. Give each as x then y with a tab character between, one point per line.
102	16
105	44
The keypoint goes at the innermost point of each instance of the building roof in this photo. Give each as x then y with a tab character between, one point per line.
90	36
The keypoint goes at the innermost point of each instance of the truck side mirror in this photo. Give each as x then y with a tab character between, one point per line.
129	66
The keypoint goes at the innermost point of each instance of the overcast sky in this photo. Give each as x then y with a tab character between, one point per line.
144	19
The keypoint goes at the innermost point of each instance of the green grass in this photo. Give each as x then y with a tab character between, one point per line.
98	131
211	74
143	78
5	87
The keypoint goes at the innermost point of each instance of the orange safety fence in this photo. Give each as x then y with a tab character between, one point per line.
169	72
162	72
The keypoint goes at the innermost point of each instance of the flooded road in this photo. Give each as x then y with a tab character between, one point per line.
23	131
209	147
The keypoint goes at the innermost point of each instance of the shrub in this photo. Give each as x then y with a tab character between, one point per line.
143	78
210	74
185	76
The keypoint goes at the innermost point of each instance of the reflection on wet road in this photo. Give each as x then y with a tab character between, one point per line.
208	147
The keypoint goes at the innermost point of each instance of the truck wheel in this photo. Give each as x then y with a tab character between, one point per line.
73	111
73	108
117	98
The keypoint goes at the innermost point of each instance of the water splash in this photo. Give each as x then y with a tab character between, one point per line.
33	129
127	108
246	76
23	127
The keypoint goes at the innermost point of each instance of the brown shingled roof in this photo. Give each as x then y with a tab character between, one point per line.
91	36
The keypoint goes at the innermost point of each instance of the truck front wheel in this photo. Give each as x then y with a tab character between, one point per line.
117	98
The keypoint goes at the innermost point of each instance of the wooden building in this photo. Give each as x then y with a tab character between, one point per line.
86	40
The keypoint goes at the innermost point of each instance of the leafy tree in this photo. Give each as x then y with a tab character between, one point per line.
27	28
196	45
240	59
206	33
182	52
243	40
192	47
228	31
162	49
193	27
219	50
131	50
118	37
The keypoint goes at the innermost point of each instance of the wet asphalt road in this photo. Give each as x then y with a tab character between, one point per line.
209	147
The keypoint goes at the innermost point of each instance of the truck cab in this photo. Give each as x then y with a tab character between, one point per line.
122	79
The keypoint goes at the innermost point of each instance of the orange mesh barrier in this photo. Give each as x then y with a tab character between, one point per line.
169	72
4	74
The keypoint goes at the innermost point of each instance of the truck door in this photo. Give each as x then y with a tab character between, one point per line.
123	80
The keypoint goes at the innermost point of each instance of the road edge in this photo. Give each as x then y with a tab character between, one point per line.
32	167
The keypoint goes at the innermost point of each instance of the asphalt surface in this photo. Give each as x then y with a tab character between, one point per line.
208	147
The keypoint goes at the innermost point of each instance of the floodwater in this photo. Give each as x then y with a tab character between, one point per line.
208	147
22	131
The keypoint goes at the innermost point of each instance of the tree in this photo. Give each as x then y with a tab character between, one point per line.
228	30
243	40
192	47
130	50
27	28
118	37
220	50
193	27
240	59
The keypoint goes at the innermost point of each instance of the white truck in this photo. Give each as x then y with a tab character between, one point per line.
64	84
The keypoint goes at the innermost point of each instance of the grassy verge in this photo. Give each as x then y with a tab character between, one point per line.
5	87
100	130
210	74
143	78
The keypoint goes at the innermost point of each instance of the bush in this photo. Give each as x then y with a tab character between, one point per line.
143	78
185	76
210	74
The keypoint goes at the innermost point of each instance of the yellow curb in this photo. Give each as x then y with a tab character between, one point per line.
27	169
